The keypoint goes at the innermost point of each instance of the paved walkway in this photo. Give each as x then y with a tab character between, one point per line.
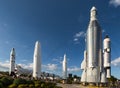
71	86
79	86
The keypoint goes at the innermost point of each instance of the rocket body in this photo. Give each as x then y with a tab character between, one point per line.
93	40
96	65
107	55
93	47
84	62
12	62
65	67
37	61
84	68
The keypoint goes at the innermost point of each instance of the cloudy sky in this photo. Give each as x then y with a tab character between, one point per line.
60	26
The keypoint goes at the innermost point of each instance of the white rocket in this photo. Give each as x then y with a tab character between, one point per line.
12	62
95	66
94	47
37	61
64	67
107	55
84	67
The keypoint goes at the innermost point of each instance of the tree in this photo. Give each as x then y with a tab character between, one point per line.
75	76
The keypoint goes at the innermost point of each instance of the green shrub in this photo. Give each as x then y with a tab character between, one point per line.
37	82
30	82
42	85
26	85
1	81
11	79
6	81
57	87
48	85
12	86
19	81
22	86
37	85
1	77
31	86
1	85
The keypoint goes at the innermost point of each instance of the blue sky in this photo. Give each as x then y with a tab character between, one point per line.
60	26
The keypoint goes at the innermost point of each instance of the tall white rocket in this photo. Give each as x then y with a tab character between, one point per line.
37	61
64	67
12	62
96	65
94	47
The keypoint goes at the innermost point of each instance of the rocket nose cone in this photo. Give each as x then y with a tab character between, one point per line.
65	58
64	55
106	36
37	43
13	49
93	13
93	8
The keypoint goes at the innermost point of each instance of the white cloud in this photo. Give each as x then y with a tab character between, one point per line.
58	60
24	60
26	66
7	42
116	3
50	67
4	66
73	69
116	62
78	36
103	31
76	39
